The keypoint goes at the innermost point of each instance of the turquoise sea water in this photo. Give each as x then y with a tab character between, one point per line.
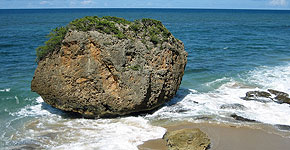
230	52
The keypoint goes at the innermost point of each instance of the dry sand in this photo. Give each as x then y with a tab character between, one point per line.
225	137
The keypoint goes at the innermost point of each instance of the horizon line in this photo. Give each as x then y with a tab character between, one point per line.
147	8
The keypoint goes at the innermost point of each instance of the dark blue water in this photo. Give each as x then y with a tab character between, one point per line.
222	44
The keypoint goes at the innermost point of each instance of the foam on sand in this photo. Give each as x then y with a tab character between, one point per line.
60	133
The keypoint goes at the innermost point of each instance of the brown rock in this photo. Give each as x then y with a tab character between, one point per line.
187	139
100	75
281	97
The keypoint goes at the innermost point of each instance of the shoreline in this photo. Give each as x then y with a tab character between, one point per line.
228	137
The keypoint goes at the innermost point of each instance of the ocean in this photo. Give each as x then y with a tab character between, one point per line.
230	52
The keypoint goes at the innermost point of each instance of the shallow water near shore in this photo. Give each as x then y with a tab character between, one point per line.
230	52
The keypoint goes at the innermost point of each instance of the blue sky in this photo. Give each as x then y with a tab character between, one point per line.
228	4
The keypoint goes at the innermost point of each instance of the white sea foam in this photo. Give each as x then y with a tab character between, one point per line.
194	105
5	90
85	134
60	133
115	134
40	109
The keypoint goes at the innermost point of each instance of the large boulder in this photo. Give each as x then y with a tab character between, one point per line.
187	139
107	67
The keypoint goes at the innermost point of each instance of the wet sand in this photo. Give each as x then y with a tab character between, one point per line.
224	137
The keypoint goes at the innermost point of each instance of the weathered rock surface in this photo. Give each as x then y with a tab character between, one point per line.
187	139
98	74
268	96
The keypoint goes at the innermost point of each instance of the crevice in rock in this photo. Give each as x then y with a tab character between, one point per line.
107	107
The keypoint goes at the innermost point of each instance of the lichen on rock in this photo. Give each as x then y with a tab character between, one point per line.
106	67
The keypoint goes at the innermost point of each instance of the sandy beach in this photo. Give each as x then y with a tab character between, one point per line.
225	137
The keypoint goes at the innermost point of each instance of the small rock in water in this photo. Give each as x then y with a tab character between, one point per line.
233	106
283	127
49	135
181	110
271	95
187	139
203	118
281	97
240	118
260	96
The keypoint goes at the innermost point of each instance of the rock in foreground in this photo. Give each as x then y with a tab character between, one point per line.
106	67
187	139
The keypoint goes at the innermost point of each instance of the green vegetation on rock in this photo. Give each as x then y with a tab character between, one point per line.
117	20
117	27
135	68
157	32
94	23
135	26
55	38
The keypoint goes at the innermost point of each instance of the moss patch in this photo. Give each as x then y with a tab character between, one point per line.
154	30
117	20
135	67
135	26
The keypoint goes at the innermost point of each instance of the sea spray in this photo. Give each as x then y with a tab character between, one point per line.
55	131
190	104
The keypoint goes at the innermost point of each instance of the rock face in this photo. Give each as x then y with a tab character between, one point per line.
100	72
187	139
267	96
